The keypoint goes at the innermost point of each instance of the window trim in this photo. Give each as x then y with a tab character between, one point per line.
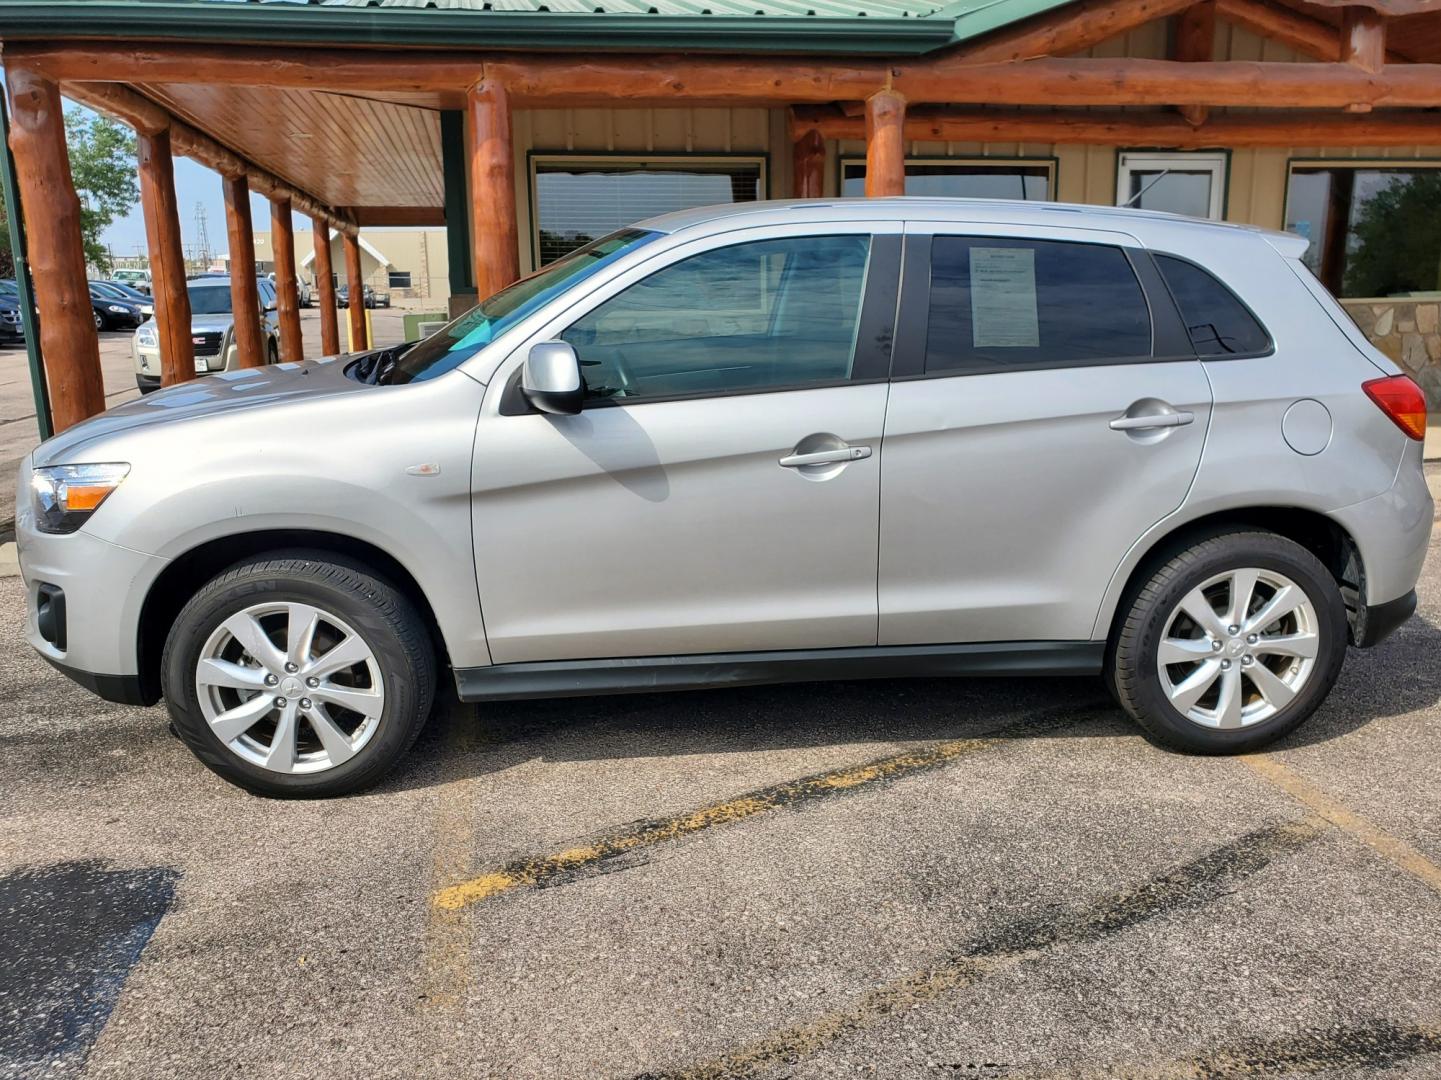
1169	340
1052	163
1220	200
1269	350
1310	162
879	295
537	157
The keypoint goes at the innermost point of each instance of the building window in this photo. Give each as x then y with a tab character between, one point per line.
399	279
578	199
981	179
1179	183
1375	228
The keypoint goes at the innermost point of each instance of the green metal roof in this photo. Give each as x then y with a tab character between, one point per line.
890	27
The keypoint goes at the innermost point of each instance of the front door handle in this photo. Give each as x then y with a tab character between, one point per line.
1152	420
826	457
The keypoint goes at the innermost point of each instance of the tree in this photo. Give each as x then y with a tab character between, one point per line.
103	167
1395	243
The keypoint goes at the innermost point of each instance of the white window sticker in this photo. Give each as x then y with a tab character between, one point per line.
1003	299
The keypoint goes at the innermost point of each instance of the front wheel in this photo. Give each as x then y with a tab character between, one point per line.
1230	645
299	675
99	321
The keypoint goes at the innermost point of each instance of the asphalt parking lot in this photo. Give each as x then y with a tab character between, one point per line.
926	879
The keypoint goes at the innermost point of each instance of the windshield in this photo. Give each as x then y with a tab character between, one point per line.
125	292
458	341
209	299
8	288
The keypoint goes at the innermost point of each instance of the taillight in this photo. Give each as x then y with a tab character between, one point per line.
1402	400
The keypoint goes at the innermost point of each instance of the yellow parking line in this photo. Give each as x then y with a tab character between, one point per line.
548	869
1392	848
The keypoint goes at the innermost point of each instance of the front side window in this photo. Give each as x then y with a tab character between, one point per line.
1026	180
1374	231
1001	304
1219	324
761	315
577	200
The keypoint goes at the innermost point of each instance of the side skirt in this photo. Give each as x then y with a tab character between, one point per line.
645	674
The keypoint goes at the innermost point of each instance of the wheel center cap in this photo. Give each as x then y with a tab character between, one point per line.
290	686
1235	647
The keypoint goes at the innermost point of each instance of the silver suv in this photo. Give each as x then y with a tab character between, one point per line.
783	441
212	331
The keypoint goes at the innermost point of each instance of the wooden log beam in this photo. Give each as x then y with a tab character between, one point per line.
1363	38
57	254
325	288
287	282
667	80
1195	44
1069	29
492	189
808	171
167	257
244	291
407	216
1269	20
1162	130
885	144
146	117
355	303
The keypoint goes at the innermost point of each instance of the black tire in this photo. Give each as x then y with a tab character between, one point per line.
100	322
373	608
272	353
1131	658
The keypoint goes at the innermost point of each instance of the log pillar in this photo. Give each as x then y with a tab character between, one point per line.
355	307
51	209
244	291
287	289
1363	37
167	256
809	170
1195	43
885	144
492	190
325	288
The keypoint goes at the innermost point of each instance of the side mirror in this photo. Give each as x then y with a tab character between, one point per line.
550	379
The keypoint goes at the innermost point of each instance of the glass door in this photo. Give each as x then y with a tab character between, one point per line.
1190	184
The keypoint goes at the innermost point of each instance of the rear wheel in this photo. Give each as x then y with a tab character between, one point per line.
99	321
1231	644
272	353
299	675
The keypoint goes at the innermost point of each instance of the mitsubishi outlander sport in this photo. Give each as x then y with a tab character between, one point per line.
749	444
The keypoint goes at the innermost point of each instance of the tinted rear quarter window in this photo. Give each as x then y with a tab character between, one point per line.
1219	324
999	303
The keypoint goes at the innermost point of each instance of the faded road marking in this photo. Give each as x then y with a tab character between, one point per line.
1308	794
1189	886
566	865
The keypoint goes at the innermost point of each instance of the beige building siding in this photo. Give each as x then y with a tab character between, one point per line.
421	252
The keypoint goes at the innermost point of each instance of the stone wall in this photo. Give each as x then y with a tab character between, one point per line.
1409	332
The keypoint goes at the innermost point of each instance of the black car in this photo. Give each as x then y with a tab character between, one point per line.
370	299
12	331
113	312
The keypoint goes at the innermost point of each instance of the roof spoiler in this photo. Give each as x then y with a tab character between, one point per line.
1291	245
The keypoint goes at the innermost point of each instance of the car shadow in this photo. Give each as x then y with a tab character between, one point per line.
1399	676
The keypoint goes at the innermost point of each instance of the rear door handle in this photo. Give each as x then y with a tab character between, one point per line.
1152	420
826	457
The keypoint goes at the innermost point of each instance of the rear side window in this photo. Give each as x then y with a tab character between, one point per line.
1219	324
999	304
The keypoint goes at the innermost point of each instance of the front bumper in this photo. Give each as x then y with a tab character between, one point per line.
104	587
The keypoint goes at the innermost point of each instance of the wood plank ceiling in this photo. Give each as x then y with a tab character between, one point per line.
345	150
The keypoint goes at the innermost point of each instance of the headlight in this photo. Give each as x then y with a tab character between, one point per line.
147	337
66	495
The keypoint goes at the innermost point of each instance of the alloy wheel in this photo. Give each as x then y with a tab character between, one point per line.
290	687
1238	648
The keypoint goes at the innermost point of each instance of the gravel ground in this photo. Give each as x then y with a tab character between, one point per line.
1015	883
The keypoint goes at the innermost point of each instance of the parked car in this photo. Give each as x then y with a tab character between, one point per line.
136	279
112	312
370	297
121	291
1114	442
212	332
12	330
